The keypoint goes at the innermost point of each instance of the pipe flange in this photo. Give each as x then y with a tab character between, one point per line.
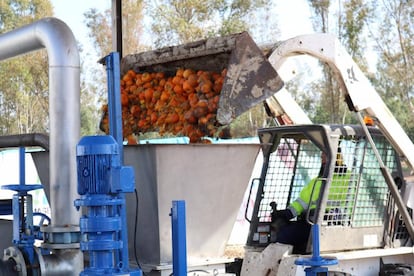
61	237
42	263
14	253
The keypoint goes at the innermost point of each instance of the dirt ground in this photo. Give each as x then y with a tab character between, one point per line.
234	251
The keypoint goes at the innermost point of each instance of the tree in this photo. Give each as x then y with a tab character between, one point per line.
100	32
24	82
353	22
395	47
181	21
352	17
100	28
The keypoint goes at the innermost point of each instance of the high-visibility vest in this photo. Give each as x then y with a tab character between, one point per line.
337	193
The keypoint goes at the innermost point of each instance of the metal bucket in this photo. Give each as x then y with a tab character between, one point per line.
250	77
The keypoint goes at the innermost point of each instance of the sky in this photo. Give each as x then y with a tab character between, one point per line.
71	12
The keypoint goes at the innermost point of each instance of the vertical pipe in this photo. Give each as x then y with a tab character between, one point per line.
315	242
64	116
22	166
64	106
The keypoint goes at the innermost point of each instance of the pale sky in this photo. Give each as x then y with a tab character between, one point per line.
71	12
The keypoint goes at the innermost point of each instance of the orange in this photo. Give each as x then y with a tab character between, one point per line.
187	87
131	140
206	86
176	80
124	99
179	72
192	80
165	95
172	118
187	73
178	89
189	117
146	77
169	85
160	75
149	92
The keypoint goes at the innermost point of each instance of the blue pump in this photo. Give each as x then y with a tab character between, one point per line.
102	184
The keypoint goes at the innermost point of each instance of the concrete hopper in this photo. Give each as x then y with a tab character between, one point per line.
211	179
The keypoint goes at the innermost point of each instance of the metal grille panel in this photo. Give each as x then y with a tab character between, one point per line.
290	167
358	194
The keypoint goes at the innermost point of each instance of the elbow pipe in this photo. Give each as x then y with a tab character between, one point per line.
64	106
64	115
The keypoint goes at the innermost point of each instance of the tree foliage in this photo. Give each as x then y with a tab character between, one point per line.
353	21
100	32
395	71
181	21
24	81
100	28
348	19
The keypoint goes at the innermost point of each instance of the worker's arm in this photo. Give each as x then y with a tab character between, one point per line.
301	204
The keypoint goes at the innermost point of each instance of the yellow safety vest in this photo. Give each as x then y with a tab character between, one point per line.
337	192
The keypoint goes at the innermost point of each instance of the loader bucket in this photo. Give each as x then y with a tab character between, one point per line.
250	77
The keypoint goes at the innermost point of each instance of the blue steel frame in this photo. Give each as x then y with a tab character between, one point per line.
179	243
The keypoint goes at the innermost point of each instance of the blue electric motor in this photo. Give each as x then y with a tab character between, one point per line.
102	182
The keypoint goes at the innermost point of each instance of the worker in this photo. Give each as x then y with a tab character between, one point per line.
296	232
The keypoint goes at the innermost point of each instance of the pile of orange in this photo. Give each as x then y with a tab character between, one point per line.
183	104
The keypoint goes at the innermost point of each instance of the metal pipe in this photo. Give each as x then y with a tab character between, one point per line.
117	26
25	140
64	106
63	264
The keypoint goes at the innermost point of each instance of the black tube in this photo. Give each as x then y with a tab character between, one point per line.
117	26
25	140
8	268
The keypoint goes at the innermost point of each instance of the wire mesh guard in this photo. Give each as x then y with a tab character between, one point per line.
358	194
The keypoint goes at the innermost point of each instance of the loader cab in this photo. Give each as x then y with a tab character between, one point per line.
356	213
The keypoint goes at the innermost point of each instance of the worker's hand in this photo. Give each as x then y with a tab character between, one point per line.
285	214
